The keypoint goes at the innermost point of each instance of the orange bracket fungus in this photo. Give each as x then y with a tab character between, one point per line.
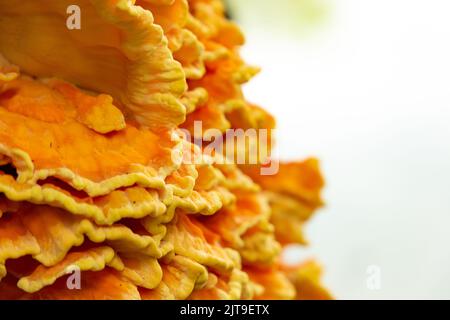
102	193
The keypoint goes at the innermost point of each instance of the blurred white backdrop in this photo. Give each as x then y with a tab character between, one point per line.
367	91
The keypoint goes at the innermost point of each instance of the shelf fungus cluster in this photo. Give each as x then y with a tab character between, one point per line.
97	197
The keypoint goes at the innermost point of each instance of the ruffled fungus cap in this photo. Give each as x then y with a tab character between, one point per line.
96	177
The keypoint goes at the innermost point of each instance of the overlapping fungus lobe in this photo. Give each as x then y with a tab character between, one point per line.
181	276
106	284
45	124
118	51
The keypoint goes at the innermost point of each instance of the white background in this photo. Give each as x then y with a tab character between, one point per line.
369	94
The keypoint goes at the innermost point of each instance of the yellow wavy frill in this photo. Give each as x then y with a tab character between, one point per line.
118	50
102	193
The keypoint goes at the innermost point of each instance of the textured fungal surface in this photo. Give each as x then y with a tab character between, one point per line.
108	190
